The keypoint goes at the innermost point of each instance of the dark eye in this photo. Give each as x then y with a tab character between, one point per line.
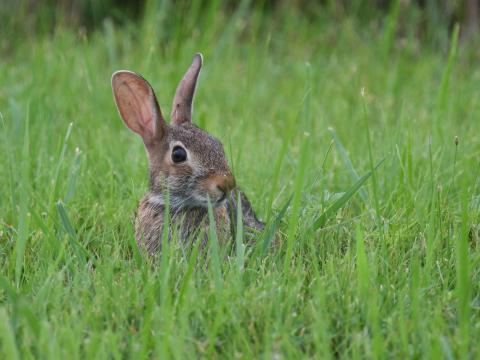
178	154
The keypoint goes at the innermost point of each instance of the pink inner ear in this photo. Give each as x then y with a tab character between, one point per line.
136	104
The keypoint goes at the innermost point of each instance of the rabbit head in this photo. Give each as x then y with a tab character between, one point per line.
184	159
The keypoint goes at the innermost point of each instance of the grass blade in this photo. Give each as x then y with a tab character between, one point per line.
300	178
339	203
296	200
168	232
73	175
276	169
374	178
442	94
214	250
61	157
23	216
20	307
363	271
269	233
8	289
38	221
188	275
240	247
79	250
463	285
8	336
346	159
390	28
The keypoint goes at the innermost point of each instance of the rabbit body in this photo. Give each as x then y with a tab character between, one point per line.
191	221
185	162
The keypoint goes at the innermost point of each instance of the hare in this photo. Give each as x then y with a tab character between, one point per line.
185	162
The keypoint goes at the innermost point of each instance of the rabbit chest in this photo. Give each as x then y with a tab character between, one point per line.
150	217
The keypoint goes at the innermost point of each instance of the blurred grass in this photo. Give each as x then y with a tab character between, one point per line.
394	273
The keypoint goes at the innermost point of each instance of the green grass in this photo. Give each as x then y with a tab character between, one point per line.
393	272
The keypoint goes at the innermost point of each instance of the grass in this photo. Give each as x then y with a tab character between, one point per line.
392	272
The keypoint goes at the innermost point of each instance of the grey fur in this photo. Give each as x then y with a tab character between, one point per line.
205	175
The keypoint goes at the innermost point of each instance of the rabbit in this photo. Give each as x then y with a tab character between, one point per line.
185	162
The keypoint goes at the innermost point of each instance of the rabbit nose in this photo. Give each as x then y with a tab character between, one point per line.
225	182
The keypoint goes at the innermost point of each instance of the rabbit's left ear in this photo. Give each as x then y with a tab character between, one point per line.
182	102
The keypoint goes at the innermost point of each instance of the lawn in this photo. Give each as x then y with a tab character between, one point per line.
304	108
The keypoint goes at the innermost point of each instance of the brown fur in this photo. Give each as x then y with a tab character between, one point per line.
190	221
203	176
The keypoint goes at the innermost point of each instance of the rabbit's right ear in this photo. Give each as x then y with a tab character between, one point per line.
138	106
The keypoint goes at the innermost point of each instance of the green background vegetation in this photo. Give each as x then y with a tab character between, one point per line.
306	99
